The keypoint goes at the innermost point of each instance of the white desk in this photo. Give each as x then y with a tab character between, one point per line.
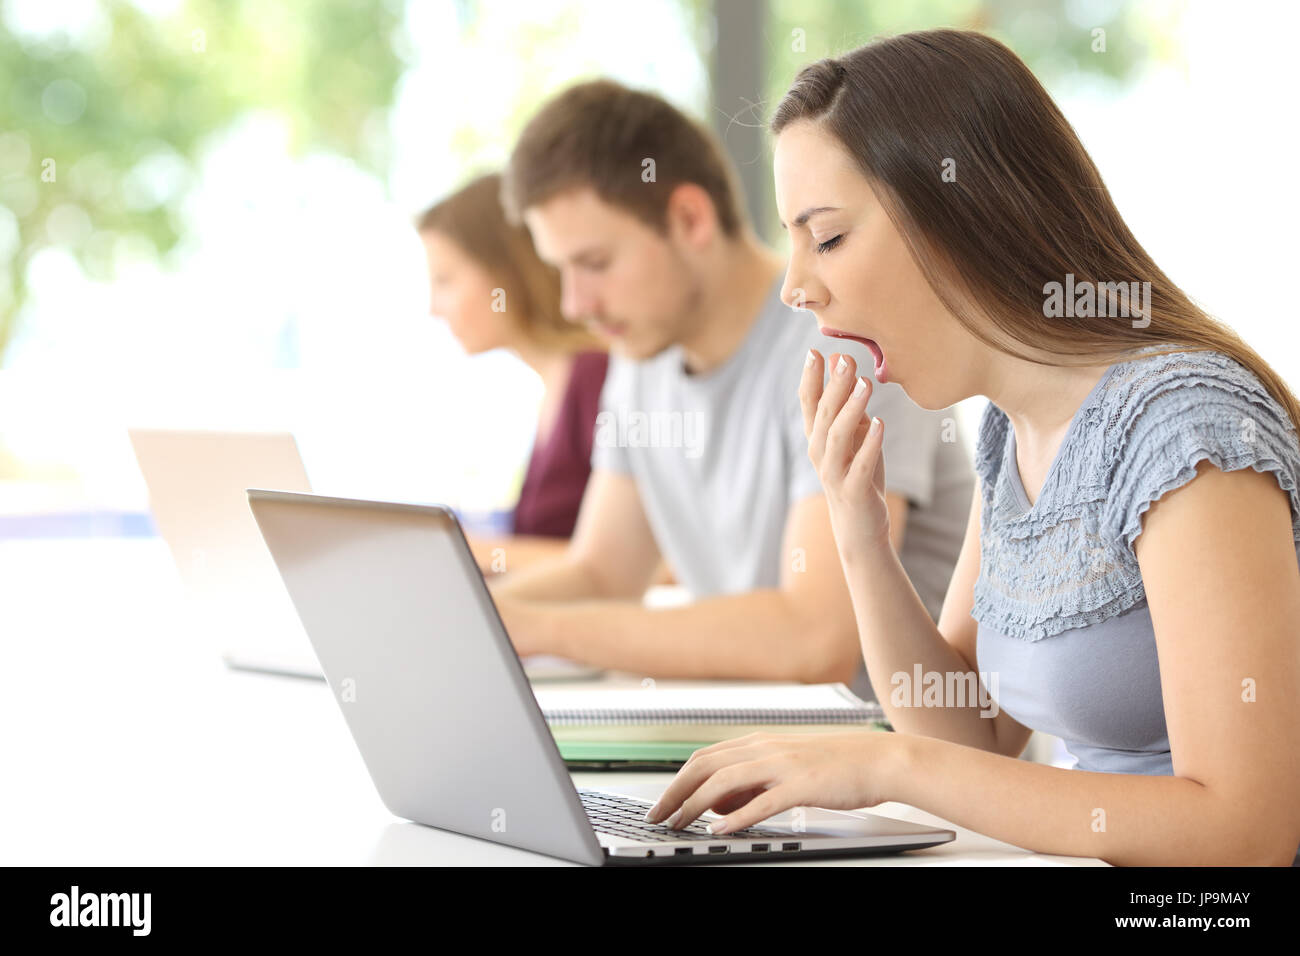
126	742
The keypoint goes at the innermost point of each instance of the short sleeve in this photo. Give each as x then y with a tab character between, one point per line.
607	453
1192	408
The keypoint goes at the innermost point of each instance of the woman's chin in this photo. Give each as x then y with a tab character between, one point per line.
475	347
919	395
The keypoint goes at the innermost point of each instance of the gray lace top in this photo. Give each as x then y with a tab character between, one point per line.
1061	611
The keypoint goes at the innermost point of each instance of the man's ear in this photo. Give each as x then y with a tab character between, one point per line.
691	215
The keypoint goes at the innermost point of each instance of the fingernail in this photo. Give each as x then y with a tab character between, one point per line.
671	822
812	357
717	826
859	388
650	814
875	426
841	366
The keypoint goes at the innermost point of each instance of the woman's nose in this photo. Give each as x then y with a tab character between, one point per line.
795	292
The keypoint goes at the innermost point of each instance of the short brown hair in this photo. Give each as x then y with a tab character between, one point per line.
473	219
598	134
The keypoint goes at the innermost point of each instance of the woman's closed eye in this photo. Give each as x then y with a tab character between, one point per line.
830	244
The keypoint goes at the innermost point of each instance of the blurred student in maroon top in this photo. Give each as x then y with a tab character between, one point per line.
489	284
561	461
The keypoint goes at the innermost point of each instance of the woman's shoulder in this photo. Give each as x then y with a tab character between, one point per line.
1162	385
1163	413
1156	395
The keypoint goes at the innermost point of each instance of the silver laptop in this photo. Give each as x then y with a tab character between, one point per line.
197	481
445	720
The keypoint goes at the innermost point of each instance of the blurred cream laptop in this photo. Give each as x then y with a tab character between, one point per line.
197	483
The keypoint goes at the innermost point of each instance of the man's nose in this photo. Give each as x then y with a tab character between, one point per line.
575	300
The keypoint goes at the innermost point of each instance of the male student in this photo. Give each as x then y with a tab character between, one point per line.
699	453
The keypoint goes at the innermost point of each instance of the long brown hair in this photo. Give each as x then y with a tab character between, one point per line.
1022	205
473	218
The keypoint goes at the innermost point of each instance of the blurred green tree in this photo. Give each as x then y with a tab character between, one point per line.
101	122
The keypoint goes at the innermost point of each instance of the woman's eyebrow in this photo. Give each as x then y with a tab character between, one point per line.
804	216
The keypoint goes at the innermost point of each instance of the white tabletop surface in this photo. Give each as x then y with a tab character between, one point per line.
127	742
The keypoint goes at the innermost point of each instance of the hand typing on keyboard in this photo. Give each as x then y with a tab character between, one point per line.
770	773
622	816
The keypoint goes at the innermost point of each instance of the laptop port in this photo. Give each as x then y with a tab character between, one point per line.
719	849
759	847
789	846
683	851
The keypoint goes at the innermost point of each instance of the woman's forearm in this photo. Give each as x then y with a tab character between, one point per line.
897	633
1124	819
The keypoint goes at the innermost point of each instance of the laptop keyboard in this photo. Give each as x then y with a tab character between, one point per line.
622	817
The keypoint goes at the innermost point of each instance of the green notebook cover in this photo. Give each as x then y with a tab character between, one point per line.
608	751
639	754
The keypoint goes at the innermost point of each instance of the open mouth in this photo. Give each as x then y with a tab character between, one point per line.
870	344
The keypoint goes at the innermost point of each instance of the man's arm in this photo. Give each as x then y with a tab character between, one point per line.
802	630
612	553
513	552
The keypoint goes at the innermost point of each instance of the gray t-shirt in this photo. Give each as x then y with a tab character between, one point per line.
719	458
1063	621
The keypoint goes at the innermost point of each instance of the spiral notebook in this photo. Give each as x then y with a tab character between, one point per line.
632	723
